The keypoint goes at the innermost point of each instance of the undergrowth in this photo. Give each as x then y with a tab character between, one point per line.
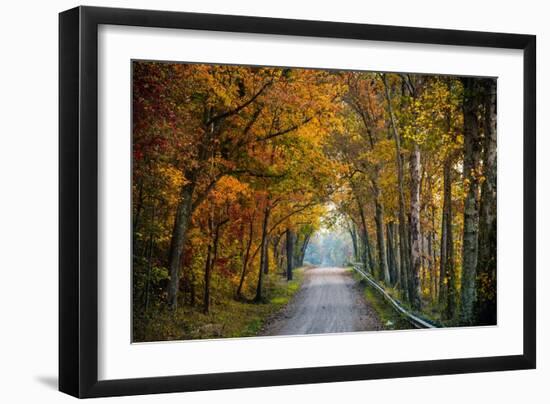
227	319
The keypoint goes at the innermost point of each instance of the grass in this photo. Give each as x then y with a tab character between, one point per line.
388	316
227	319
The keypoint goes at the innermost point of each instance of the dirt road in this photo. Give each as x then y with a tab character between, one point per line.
329	301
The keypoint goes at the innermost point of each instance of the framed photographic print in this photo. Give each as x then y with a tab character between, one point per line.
251	201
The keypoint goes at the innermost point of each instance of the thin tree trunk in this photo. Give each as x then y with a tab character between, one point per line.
266	258
447	277
303	249
289	254
486	279
282	256
450	270
430	270
447	294
402	224
137	216
391	253
192	290
208	263
246	258
179	236
296	249
149	264
397	258
432	263
367	253
210	268
259	294
275	246
443	278
353	235
471	208
430	240
379	219
404	276
416	235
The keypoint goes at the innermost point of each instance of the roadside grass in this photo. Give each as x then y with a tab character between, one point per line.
397	321
389	317
430	311
227	319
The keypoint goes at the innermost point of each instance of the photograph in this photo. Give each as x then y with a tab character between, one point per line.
271	201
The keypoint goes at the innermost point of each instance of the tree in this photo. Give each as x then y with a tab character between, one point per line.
403	237
485	305
472	149
211	116
289	253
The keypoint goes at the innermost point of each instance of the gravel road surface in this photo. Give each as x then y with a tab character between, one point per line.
329	301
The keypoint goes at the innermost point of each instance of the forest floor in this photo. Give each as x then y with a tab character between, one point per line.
227	319
329	301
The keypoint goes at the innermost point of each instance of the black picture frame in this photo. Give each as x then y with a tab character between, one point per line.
78	201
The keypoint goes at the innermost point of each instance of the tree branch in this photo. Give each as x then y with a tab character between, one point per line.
292	213
200	198
256	174
284	131
240	107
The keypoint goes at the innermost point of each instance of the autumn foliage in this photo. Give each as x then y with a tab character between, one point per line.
235	168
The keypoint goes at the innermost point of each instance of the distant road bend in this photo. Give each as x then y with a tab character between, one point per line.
328	302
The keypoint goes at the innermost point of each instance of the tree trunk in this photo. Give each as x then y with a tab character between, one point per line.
208	263
275	246
353	235
391	253
192	290
397	257
379	218
289	254
303	249
266	258
296	249
471	209
179	236
149	271
137	216
423	262
416	236
246	258
403	243
210	268
486	304
259	295
432	263
443	278
447	286
447	276
368	260
430	269
282	256
150	262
